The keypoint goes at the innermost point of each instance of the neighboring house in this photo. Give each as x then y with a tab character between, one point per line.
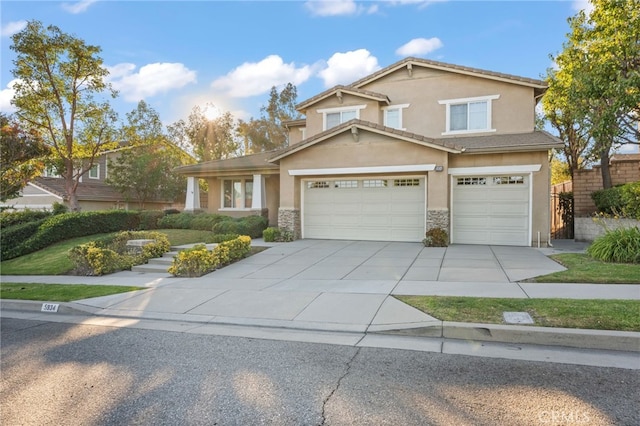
416	145
93	193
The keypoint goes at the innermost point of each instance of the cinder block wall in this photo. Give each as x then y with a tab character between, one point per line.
587	181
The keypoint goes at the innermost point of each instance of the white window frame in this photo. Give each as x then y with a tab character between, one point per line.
340	110
97	168
449	102
398	108
243	193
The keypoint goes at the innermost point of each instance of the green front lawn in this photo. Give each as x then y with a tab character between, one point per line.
59	292
582	268
53	260
623	315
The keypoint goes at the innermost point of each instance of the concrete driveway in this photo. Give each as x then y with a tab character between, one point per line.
323	285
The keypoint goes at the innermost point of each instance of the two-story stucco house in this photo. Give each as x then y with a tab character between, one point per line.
416	145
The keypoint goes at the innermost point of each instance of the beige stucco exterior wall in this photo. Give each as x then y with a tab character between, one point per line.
513	112
540	221
371	149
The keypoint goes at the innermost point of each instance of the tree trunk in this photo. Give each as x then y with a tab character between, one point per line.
604	169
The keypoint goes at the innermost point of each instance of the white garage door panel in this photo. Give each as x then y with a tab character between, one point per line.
383	213
490	210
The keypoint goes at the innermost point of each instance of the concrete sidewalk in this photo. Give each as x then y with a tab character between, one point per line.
346	286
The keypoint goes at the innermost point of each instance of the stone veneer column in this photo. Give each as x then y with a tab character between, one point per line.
289	219
438	219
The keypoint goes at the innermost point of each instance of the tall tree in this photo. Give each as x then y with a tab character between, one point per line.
143	126
144	173
21	158
143	170
268	132
209	138
564	117
602	55
59	78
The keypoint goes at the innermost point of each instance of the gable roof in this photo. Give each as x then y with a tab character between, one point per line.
409	62
355	88
86	191
355	124
339	91
247	163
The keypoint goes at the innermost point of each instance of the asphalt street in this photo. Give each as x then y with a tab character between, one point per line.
72	374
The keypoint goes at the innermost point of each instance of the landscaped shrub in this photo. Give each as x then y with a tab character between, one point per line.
273	234
111	254
8	219
249	225
436	237
198	261
608	200
171	211
620	245
149	219
13	236
631	200
72	225
176	221
206	221
59	208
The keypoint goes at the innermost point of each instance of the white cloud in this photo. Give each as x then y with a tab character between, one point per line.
419	47
255	78
150	80
78	7
585	5
345	68
10	28
5	98
332	7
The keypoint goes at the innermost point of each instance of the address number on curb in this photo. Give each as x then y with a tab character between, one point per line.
50	307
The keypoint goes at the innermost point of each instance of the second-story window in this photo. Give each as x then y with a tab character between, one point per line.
333	117
393	116
94	172
468	115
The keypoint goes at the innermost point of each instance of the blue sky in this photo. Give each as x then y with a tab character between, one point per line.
178	54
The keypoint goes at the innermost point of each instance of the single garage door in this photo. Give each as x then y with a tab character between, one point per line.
491	210
376	209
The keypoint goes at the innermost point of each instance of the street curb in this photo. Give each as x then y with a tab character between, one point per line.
627	341
67	308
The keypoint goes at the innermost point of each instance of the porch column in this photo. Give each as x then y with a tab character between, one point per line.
193	195
258	202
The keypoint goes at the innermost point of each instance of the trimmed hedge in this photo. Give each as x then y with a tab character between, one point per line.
622	200
198	261
273	234
252	226
149	219
69	225
8	219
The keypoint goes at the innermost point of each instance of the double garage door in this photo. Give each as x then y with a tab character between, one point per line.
491	210
376	209
485	209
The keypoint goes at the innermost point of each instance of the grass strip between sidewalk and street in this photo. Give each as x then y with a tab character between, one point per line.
582	268
59	292
621	315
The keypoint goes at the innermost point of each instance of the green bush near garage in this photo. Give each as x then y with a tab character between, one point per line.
198	260
252	226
